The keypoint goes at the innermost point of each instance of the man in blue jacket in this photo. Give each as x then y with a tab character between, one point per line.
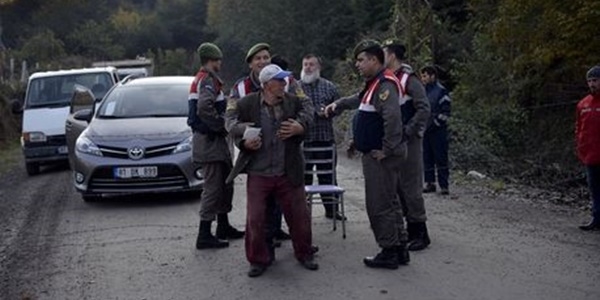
435	141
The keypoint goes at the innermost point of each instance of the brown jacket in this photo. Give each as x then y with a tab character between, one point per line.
246	111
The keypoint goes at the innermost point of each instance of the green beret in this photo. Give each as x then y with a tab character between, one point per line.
210	51
255	49
365	45
391	42
396	46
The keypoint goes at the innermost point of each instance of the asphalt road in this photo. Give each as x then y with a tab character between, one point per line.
55	246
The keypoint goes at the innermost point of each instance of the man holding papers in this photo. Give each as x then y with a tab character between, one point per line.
274	163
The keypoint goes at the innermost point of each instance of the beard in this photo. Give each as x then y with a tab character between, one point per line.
310	78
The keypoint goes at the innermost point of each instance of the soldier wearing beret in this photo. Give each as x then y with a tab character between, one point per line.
415	113
206	117
378	133
257	57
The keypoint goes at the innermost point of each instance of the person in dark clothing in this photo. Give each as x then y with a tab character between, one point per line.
258	57
378	135
207	119
274	163
321	92
415	113
435	141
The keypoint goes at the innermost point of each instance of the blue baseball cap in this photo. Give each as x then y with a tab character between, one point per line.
272	71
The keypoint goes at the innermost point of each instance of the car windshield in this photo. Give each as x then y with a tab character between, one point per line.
140	101
58	90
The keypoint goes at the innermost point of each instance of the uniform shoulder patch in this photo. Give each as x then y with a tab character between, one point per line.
384	95
231	104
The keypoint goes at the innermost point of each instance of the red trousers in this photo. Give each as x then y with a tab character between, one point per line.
292	201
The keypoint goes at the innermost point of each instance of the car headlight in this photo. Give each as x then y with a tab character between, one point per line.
184	146
34	137
84	145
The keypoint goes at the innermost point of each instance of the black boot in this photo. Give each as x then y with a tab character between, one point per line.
386	259
206	240
411	229
403	255
593	225
420	239
225	231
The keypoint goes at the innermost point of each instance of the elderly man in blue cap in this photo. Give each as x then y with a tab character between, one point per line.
274	163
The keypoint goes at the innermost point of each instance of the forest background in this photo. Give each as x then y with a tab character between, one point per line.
515	68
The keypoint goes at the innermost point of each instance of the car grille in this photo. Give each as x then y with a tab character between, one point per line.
169	177
51	140
149	152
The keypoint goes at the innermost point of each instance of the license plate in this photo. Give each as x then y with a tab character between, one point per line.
136	172
63	150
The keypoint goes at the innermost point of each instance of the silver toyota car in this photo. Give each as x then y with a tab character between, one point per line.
136	140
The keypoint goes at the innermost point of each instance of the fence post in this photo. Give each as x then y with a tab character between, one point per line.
12	70
24	73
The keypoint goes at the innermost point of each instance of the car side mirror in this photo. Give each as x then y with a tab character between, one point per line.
16	107
82	98
83	115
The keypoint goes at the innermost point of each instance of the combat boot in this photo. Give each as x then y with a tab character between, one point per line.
386	259
403	254
420	239
411	229
593	225
225	231
206	240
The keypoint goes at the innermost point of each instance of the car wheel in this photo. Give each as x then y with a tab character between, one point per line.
91	197
32	168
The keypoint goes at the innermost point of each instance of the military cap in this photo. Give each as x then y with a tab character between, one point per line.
391	42
396	46
210	51
594	72
366	45
255	49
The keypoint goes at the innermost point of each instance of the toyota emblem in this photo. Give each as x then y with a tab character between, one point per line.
136	152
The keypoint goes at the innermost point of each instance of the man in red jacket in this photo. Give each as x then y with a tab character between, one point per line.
587	131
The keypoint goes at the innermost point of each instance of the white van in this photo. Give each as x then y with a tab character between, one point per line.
46	107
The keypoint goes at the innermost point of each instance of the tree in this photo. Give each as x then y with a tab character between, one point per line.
94	41
44	47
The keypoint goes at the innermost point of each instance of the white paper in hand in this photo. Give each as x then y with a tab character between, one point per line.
251	132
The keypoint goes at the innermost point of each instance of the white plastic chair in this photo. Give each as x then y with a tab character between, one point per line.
334	193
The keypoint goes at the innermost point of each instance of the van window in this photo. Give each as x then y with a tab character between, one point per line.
58	90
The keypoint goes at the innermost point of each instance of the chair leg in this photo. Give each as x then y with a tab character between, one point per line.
335	211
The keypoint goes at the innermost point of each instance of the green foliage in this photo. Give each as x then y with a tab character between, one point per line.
9	124
292	28
43	47
185	21
95	41
487	136
174	62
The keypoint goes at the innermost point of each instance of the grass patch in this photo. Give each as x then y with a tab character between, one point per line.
10	154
